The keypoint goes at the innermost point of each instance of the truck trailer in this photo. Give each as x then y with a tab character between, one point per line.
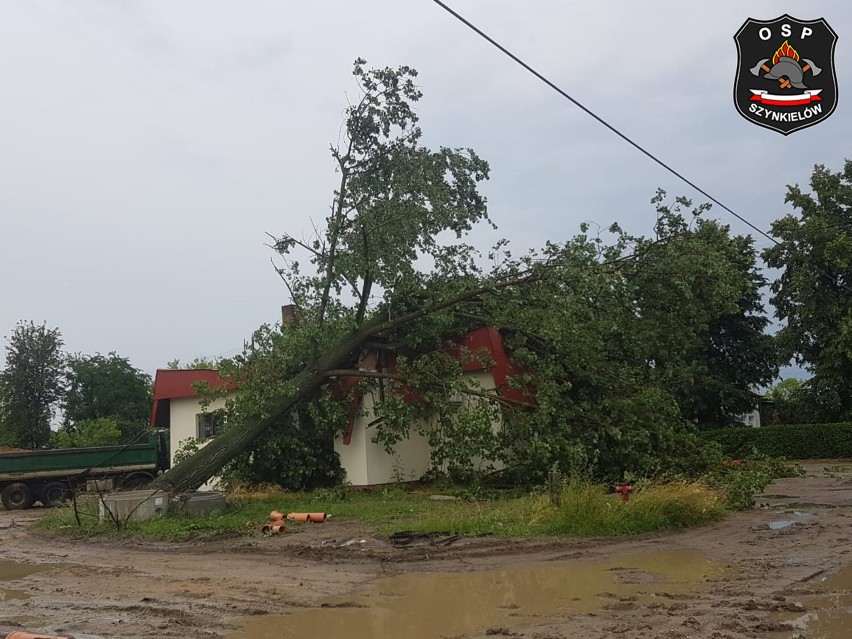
48	476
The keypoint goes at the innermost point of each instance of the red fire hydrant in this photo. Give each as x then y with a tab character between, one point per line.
624	490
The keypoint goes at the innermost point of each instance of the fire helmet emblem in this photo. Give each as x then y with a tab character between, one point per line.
785	73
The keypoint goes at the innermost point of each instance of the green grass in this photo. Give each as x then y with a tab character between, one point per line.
585	510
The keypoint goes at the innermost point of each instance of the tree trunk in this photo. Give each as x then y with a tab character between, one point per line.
204	464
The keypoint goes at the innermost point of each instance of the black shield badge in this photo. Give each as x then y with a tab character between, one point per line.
785	73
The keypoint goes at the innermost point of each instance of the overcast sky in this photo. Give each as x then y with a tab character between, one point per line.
146	147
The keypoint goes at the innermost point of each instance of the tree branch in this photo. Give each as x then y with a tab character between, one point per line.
334	228
368	279
290	238
357	372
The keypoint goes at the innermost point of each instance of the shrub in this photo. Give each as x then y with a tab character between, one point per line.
740	486
740	483
792	441
103	431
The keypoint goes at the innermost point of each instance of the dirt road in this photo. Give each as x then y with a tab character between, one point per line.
740	578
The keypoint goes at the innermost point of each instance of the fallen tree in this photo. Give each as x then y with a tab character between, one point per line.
618	339
204	464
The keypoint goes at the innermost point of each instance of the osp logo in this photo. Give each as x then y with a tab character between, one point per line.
785	73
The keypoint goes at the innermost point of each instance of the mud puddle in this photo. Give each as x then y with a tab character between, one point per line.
433	605
7	594
829	609
13	571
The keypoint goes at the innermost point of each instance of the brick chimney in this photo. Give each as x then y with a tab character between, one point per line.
288	314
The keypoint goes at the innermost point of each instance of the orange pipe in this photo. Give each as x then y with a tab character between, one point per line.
275	515
276	527
308	517
18	634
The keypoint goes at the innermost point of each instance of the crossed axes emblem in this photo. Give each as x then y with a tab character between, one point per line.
787	71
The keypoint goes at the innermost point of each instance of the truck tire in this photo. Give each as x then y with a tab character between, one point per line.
53	494
17	496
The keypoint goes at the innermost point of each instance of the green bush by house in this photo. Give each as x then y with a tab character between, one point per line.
792	441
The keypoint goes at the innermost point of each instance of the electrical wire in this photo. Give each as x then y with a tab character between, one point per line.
588	111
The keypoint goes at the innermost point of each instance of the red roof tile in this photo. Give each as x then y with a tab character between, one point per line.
174	383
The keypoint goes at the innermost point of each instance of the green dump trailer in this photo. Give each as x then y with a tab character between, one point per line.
48	476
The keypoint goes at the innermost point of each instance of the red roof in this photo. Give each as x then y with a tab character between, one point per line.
173	383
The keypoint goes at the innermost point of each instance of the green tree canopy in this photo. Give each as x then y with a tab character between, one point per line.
698	291
102	431
785	389
196	363
31	385
107	387
812	294
630	342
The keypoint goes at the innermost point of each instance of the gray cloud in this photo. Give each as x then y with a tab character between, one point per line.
145	148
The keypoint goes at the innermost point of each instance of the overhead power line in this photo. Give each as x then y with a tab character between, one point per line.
581	106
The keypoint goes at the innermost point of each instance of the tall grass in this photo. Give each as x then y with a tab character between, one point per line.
585	509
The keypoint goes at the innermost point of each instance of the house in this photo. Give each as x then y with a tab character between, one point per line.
755	418
751	419
178	408
366	463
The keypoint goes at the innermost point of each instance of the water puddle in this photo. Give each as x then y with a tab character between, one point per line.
829	609
7	594
434	605
12	571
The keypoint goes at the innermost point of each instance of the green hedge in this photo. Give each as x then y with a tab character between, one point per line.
793	441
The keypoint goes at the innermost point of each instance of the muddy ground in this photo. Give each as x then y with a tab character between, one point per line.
736	579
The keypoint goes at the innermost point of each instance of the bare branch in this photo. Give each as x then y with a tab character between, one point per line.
284	279
334	222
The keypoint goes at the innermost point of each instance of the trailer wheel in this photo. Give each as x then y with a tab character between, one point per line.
17	496
54	494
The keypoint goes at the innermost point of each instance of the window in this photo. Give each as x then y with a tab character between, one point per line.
208	424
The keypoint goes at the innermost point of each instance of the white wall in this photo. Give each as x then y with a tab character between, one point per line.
182	419
366	463
183	425
751	419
